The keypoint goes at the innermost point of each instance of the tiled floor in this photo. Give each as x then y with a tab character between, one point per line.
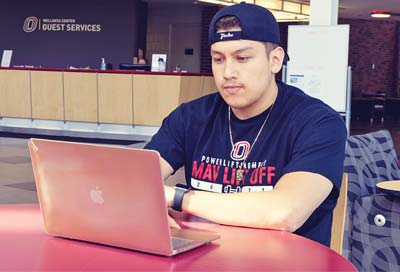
16	176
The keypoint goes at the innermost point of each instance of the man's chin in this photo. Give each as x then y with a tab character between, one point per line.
233	100
237	105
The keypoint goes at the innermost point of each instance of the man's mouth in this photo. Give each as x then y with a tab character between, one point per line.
232	88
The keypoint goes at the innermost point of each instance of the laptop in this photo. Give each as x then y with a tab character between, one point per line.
107	195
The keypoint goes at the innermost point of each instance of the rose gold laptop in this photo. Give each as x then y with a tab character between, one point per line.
107	195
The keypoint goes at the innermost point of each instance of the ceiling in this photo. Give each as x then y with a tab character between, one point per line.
355	9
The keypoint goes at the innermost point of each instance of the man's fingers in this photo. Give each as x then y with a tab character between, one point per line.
172	223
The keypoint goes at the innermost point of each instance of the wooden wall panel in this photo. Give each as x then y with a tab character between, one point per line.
115	98
208	85
154	97
47	95
15	94
80	97
190	88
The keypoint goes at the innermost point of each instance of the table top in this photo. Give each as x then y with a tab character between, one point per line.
25	246
389	187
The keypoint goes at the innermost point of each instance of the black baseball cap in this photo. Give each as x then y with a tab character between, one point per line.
256	23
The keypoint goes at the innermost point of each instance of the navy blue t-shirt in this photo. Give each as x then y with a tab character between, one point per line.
301	134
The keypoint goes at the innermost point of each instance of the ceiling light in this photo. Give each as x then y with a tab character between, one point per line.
380	13
283	10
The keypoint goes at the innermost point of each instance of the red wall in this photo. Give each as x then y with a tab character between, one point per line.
374	42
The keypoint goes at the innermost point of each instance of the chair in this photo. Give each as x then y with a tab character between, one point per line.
369	244
378	109
339	215
361	108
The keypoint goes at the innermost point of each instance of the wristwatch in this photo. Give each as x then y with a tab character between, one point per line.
180	191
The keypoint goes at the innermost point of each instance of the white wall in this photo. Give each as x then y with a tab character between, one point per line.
182	20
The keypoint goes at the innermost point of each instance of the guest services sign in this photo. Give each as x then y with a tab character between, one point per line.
34	23
63	33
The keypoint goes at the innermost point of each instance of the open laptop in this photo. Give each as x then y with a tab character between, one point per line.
107	195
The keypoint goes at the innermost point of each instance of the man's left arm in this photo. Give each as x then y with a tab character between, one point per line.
286	207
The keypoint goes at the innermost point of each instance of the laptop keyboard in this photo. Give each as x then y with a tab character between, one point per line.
180	242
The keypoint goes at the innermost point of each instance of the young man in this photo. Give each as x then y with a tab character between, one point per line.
259	153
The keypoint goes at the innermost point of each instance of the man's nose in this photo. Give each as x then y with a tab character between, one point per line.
230	70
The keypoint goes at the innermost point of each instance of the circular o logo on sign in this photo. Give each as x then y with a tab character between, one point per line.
31	24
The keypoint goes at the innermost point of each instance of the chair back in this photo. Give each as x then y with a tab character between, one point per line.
339	216
369	159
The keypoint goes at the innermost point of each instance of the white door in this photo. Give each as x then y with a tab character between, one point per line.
184	46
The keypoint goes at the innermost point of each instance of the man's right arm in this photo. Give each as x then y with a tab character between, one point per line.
166	169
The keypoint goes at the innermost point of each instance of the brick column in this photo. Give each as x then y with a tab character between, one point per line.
371	55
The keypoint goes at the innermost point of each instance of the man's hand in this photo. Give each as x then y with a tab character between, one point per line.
172	222
169	197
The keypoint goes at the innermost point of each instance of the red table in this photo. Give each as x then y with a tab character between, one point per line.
25	246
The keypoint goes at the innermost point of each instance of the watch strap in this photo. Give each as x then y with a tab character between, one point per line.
180	192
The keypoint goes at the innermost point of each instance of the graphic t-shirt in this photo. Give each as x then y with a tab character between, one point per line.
301	134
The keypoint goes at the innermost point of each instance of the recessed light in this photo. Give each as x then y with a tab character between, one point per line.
380	13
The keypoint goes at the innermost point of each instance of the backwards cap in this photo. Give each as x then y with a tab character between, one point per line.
256	23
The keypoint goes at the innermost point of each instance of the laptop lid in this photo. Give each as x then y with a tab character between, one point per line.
103	194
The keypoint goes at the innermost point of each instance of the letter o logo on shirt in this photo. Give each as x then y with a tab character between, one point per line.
30	24
240	150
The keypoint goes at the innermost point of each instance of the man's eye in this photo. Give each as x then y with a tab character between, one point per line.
217	60
243	59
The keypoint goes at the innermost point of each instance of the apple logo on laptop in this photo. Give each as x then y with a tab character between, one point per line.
97	195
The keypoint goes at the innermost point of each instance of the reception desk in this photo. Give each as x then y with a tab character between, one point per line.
89	100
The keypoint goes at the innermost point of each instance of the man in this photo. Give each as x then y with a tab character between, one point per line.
258	153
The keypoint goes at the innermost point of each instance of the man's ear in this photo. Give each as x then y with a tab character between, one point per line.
276	59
